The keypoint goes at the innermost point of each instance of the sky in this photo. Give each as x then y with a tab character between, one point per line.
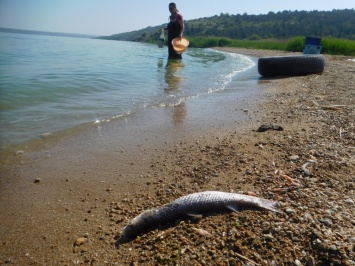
107	17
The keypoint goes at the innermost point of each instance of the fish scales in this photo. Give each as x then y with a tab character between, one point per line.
194	204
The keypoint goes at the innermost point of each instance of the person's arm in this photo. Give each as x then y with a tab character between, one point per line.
182	24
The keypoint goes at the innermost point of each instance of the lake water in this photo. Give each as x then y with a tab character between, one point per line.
50	83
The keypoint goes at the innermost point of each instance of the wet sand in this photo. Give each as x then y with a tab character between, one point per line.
65	202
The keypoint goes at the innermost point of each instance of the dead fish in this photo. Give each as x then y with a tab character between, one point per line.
194	204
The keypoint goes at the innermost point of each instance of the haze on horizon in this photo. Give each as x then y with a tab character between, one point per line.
94	17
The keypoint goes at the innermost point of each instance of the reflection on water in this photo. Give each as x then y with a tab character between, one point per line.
174	80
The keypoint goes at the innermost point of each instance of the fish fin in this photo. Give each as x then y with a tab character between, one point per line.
195	215
233	208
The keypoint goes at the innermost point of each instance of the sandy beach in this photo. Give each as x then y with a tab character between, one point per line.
64	201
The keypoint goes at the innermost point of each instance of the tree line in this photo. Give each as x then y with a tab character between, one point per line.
281	25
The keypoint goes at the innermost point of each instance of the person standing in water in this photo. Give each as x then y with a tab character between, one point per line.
175	29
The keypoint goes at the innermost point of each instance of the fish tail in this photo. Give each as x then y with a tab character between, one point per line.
269	205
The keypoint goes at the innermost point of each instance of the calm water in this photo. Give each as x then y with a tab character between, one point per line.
49	84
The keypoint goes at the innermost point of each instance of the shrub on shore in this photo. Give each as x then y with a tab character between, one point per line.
332	46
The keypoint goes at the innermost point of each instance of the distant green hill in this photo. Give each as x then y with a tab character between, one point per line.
143	35
281	25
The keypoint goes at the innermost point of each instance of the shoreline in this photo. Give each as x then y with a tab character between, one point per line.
168	77
61	193
177	113
192	114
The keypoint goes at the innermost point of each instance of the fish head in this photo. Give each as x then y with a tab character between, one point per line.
138	224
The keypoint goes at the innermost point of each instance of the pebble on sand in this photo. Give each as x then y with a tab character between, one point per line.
80	241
